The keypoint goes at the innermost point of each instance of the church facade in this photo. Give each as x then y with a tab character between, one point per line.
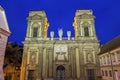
61	58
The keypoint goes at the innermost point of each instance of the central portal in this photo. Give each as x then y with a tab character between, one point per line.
60	73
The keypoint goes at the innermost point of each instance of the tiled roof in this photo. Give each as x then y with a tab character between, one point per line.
110	45
3	20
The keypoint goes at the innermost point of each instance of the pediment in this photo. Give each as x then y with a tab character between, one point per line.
35	17
86	16
90	65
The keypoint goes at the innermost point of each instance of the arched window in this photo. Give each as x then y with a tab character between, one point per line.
86	31
35	31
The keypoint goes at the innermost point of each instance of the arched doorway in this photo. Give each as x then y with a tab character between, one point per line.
60	71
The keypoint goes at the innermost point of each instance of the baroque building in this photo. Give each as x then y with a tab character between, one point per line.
70	58
4	33
110	59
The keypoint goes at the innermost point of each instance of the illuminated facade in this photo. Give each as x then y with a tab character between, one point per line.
4	33
110	60
60	58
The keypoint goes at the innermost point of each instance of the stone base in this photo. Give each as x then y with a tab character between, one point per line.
45	79
65	79
48	79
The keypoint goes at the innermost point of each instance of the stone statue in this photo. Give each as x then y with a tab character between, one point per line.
68	34
60	32
52	35
33	53
89	57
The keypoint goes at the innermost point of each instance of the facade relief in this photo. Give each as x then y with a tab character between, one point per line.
61	56
33	56
60	52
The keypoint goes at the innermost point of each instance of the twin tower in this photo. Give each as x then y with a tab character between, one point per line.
38	26
60	58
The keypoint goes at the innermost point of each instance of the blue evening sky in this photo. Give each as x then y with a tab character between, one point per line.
60	14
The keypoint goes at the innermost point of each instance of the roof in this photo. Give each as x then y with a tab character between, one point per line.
114	43
3	20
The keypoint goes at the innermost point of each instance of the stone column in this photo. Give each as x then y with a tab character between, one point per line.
28	30
24	63
71	60
50	63
74	62
40	59
77	63
47	62
44	64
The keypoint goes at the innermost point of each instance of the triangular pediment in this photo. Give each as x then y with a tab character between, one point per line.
35	17
86	16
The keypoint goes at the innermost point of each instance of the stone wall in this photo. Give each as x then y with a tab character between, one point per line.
3	41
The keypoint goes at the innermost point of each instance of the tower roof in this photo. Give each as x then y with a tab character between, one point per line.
40	13
80	12
3	20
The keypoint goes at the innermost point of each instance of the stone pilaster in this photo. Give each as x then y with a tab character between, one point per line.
71	61
44	67
74	62
40	61
77	63
50	63
24	61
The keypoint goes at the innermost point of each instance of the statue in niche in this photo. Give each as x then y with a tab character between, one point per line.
89	57
32	57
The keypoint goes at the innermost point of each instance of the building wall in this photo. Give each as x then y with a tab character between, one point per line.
110	64
3	41
75	62
4	33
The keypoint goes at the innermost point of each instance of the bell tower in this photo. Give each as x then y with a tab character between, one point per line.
84	25
37	26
